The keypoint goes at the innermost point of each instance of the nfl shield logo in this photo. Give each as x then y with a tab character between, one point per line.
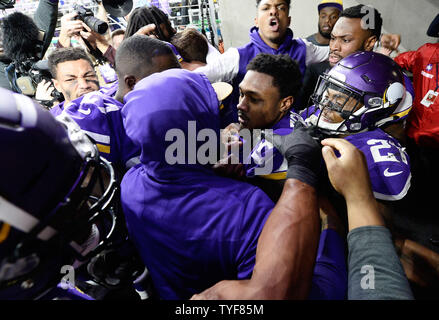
429	67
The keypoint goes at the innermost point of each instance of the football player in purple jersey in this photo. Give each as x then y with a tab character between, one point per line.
359	99
194	228
140	58
267	95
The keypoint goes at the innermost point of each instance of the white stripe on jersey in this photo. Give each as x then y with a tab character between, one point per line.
98	137
109	108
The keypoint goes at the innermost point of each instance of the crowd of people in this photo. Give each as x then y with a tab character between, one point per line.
163	169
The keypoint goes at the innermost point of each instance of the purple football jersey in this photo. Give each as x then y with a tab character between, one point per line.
100	117
388	163
110	90
57	110
191	227
264	159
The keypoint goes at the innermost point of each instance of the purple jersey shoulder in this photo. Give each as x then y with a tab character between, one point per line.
388	163
264	159
99	116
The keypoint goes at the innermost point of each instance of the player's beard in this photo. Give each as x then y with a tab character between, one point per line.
326	35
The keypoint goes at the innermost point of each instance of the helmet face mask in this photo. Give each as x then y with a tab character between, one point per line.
34	263
361	92
336	106
38	239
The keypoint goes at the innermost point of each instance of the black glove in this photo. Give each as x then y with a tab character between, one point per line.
303	154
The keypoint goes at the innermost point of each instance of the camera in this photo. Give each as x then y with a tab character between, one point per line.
87	16
28	74
6	4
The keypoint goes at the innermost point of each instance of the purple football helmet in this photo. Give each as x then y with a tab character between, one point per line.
363	91
54	191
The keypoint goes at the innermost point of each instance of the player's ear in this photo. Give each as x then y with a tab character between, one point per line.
130	82
286	104
370	43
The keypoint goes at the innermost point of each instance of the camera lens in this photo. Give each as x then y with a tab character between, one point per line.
96	25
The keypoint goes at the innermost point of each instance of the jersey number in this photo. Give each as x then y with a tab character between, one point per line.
378	148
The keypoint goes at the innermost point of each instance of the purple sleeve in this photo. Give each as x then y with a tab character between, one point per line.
57	110
409	86
255	214
101	119
330	277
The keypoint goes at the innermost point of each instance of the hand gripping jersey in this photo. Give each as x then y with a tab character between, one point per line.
387	161
100	117
265	160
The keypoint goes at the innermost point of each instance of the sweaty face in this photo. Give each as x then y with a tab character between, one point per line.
334	103
348	37
273	21
75	78
327	18
260	105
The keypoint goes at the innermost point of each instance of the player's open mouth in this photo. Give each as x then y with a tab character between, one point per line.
334	58
274	25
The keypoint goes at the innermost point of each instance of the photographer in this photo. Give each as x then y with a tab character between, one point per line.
25	40
74	26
